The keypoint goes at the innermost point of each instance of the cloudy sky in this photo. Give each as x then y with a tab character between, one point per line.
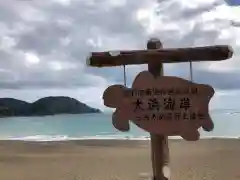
44	44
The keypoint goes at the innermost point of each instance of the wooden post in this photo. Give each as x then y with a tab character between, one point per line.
173	55
155	56
159	144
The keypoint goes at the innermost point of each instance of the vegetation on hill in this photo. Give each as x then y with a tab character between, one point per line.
44	106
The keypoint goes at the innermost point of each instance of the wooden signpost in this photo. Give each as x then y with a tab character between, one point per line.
161	105
166	105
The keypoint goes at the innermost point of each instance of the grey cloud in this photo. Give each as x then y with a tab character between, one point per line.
219	80
44	84
196	37
85	22
8	16
37	79
114	27
179	13
235	23
44	38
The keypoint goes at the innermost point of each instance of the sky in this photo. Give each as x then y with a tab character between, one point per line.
45	43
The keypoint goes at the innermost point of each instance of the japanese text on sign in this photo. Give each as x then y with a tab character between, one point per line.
163	105
159	92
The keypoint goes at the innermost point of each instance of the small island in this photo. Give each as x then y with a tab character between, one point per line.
52	105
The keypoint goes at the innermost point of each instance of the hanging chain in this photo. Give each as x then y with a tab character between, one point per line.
191	72
124	74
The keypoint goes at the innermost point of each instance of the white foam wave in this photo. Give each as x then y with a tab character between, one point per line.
44	138
41	138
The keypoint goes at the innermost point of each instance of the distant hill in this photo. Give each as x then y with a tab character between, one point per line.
44	106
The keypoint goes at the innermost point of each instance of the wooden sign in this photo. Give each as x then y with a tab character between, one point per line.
166	105
170	55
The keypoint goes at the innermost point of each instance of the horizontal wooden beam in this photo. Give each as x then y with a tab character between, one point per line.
171	55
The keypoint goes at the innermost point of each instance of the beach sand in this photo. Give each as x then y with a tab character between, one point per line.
117	159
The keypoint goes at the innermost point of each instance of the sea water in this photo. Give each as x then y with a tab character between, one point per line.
97	126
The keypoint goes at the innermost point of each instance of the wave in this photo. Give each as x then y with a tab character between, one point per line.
49	138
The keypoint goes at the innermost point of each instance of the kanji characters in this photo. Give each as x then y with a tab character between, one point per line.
138	104
177	115
153	104
169	103
185	103
193	116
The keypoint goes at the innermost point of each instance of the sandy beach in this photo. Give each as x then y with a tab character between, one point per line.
112	160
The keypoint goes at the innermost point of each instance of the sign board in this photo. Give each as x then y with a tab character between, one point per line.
164	105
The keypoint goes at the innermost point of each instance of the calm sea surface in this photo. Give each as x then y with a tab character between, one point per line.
97	126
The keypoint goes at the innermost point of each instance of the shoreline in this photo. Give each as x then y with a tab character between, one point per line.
46	115
124	138
118	142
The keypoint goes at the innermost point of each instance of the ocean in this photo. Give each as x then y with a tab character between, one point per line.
97	126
